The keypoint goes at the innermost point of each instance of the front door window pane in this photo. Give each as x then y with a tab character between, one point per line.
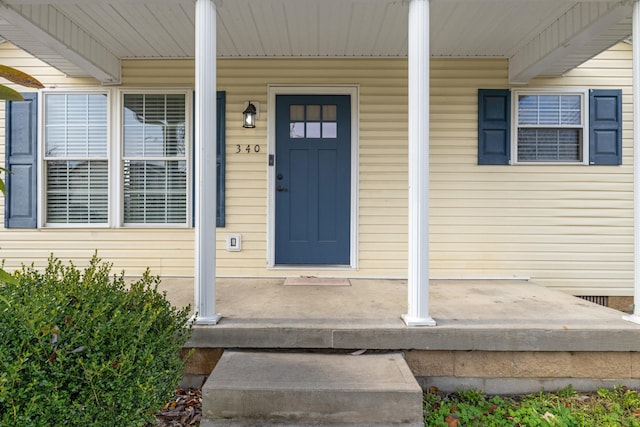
313	121
296	130
329	113
296	113
329	130
313	130
313	112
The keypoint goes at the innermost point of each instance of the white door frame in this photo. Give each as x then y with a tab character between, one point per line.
353	91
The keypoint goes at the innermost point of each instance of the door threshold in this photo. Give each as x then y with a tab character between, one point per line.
311	267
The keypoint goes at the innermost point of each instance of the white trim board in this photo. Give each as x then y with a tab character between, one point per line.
354	92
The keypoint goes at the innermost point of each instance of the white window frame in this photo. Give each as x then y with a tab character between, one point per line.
584	96
115	105
41	184
188	93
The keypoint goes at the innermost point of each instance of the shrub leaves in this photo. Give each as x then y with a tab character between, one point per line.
81	348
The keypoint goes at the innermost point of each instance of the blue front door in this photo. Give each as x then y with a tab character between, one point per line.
313	179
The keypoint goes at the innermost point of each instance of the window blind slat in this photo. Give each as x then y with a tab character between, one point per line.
549	145
77	192
154	191
76	130
550	128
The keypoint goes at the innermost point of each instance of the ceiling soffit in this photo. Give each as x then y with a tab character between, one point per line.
91	37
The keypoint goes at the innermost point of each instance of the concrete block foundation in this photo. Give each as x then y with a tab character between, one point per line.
499	372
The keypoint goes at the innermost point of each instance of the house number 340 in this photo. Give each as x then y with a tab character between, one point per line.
247	149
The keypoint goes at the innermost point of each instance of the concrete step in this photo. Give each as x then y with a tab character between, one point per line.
277	388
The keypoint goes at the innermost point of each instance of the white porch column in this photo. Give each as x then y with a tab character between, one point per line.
635	317
418	285
205	152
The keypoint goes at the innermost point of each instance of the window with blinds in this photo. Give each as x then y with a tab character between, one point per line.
76	158
550	127
154	159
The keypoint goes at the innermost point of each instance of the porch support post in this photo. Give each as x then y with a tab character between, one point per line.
635	317
418	275
205	153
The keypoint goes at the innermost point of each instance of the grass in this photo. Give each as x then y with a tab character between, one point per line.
565	408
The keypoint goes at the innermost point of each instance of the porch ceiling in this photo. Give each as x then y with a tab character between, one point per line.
91	36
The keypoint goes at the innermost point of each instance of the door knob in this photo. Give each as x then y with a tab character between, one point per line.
281	188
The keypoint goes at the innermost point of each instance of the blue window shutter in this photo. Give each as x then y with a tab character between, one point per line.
494	116
21	159
220	160
220	157
605	127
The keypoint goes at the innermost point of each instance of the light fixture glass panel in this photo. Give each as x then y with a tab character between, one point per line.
296	130
249	119
313	112
329	130
296	113
313	130
329	112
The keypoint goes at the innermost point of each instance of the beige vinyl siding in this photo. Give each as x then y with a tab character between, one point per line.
570	227
169	252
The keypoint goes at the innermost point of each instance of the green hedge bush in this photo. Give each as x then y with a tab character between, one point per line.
81	348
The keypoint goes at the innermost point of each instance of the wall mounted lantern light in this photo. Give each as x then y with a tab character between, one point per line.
250	114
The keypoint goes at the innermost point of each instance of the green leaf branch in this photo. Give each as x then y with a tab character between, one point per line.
18	77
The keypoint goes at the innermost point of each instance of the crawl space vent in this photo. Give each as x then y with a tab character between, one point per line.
600	300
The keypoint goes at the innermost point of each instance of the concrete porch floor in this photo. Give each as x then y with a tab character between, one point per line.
517	314
504	336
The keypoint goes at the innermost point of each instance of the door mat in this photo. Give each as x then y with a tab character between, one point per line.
316	281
